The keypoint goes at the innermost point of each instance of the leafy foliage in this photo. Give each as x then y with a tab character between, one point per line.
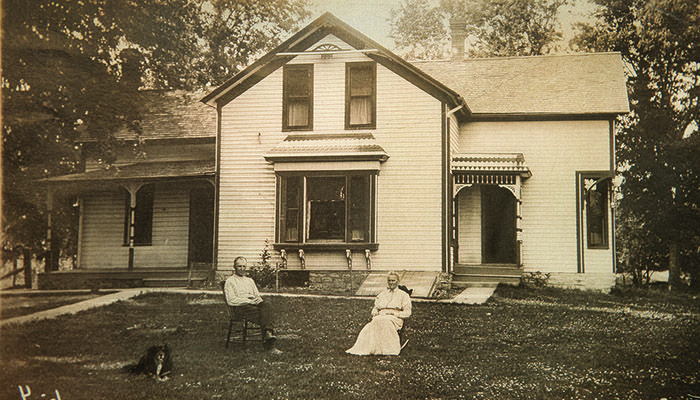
73	70
419	30
658	147
494	28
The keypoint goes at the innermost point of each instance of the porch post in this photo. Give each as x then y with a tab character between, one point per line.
133	189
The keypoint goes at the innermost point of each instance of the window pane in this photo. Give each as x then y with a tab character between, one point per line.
360	96
596	214
291	212
361	81
298	83
326	208
298	113
360	110
298	94
359	210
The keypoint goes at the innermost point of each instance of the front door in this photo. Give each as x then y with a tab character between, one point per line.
201	239
498	221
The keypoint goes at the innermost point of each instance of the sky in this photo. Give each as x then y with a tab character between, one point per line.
371	17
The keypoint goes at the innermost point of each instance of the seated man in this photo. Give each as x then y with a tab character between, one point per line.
241	291
380	336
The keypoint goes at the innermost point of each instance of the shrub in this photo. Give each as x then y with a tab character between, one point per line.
263	273
535	279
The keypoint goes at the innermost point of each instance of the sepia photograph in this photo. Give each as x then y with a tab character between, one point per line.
350	199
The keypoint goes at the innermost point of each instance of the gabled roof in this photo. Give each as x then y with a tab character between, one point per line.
581	84
324	25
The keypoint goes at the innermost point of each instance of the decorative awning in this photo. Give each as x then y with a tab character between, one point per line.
142	170
327	147
494	164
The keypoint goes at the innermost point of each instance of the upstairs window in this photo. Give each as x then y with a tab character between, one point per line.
297	107
360	95
325	208
596	191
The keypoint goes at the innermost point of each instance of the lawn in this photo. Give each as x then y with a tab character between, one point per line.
522	344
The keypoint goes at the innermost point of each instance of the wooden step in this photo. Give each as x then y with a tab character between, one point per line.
466	275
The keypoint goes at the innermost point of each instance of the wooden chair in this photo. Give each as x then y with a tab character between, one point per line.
403	340
239	324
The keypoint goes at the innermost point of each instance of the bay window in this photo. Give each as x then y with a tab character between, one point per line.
325	208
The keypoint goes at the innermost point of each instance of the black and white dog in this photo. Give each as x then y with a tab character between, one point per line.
155	362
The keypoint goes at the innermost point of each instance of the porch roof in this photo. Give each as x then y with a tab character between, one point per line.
343	146
505	163
142	170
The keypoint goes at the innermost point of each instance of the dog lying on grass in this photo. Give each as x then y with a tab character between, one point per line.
155	362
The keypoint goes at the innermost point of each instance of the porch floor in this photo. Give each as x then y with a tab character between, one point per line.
123	278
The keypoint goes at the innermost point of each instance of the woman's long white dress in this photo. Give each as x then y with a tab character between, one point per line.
380	336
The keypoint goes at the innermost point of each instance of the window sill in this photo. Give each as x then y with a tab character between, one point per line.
326	246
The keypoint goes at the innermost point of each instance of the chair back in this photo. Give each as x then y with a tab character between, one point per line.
229	310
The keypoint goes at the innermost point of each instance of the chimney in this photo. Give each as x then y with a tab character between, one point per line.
458	31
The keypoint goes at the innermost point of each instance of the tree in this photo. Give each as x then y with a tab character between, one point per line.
73	70
658	148
494	28
419	30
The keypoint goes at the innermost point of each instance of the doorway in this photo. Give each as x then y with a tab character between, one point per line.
498	221
201	232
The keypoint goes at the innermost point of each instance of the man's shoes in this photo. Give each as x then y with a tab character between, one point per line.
275	351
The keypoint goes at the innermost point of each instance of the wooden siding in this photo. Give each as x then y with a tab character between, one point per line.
409	184
469	225
554	151
170	230
103	230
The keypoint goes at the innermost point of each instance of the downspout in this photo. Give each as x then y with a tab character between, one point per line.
217	188
450	240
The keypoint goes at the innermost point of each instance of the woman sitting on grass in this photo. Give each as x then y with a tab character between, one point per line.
380	336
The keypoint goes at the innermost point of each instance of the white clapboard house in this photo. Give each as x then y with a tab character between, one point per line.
342	156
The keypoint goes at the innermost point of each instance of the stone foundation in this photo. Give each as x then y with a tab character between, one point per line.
340	282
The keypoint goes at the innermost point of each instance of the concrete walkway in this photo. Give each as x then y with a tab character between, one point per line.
477	295
474	295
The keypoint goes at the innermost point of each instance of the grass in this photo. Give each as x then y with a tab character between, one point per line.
522	344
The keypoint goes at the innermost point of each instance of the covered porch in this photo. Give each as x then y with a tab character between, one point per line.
143	224
487	234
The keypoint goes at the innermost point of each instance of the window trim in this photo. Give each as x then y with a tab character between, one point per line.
302	220
348	96
599	178
286	95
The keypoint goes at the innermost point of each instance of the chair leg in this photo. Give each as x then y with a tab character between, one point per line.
228	336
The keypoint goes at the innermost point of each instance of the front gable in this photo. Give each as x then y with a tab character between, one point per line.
324	37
